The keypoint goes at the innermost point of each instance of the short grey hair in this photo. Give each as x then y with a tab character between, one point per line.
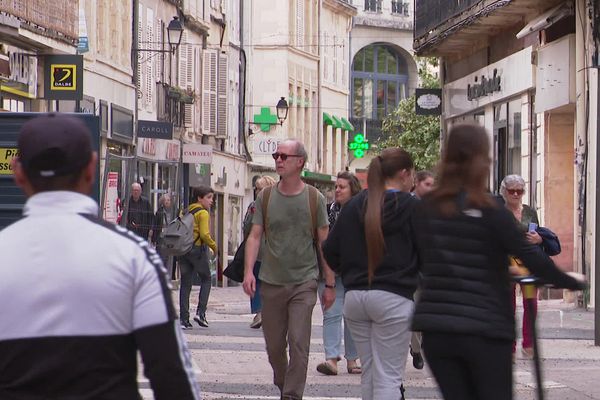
163	198
512	181
300	149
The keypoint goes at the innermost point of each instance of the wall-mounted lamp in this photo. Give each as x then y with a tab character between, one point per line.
174	34
282	110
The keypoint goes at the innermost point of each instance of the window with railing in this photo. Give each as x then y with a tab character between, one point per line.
400	7
373	5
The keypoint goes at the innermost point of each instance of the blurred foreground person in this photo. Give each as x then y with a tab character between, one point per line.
79	296
372	246
464	238
347	186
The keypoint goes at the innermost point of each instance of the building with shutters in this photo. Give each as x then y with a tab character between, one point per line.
298	50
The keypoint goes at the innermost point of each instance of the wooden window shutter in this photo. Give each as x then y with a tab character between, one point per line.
222	95
159	45
300	23
183	62
149	81
209	92
140	54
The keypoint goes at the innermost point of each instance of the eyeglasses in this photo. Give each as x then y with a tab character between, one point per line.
517	192
283	156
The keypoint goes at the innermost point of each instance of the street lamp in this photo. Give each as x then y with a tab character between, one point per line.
174	33
282	110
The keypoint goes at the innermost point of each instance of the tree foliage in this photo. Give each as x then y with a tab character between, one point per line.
417	134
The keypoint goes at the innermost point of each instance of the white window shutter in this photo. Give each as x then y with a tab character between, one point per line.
197	89
149	81
189	73
158	32
222	95
183	62
300	23
140	54
209	92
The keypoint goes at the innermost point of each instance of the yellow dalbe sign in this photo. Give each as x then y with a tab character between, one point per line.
6	155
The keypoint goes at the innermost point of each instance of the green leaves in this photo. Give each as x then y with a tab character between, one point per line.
417	134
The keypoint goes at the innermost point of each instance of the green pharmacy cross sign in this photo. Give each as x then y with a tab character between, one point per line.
359	145
265	119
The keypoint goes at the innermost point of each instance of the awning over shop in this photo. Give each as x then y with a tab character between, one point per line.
337	122
347	125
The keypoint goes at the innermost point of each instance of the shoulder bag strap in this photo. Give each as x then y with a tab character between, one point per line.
265	205
313	200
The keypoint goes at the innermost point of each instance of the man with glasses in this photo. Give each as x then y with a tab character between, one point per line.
289	269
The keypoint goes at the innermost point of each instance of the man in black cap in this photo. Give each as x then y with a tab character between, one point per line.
78	296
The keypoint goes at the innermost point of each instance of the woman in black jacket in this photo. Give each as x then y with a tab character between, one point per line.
372	247
464	239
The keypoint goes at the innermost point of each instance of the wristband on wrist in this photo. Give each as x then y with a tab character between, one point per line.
330	286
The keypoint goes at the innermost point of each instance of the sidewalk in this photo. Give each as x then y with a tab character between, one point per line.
231	361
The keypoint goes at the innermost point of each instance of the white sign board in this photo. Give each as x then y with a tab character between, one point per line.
197	153
266	145
510	76
111	204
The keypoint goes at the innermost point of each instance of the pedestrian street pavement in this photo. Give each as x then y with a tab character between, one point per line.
231	362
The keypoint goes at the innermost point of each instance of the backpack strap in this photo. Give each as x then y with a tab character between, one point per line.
265	205
193	212
313	201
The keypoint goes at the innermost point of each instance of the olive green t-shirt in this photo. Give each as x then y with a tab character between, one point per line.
289	255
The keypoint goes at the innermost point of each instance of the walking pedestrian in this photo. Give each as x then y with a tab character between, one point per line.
512	190
196	261
289	268
255	304
424	181
139	214
164	215
464	239
372	246
80	296
346	187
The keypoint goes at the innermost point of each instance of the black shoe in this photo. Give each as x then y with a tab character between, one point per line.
186	324
201	320
402	390
417	360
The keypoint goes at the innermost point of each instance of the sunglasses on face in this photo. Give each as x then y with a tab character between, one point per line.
516	192
283	156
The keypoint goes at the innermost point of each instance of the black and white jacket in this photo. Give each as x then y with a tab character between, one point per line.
78	298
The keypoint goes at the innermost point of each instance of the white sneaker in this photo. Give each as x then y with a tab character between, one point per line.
257	321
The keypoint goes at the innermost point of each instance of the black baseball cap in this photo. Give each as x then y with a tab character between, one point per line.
54	145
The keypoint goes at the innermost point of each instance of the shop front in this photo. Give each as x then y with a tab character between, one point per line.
500	97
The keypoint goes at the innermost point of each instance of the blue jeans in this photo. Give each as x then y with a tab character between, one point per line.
332	326
255	304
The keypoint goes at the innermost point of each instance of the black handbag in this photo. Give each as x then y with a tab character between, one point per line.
235	269
550	242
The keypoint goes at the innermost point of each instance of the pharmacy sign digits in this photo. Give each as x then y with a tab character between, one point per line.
359	145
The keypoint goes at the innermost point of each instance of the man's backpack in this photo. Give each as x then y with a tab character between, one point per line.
177	238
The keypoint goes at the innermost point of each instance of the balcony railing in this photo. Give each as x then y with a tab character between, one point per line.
373	5
399	7
60	16
431	13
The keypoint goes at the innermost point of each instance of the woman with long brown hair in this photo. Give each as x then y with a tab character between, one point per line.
464	239
372	247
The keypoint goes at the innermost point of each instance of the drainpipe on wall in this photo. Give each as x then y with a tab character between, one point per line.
135	65
319	121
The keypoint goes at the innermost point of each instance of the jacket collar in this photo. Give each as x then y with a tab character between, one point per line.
60	202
